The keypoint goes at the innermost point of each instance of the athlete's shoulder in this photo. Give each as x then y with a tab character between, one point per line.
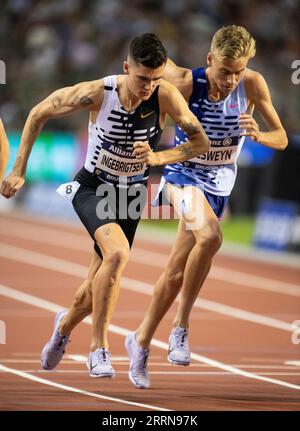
254	79
181	77
255	83
165	86
92	89
168	92
166	89
94	86
95	90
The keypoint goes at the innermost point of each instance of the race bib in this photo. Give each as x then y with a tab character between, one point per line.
221	152
68	190
117	161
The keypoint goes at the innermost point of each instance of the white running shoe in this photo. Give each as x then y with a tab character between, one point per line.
179	352
99	364
54	349
138	373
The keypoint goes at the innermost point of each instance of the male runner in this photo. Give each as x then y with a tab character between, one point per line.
222	96
4	151
127	113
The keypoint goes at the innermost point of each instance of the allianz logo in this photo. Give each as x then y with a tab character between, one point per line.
222	142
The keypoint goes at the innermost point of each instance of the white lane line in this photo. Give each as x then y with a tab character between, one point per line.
76	390
76	358
255	281
75	241
295	363
74	269
70	359
34	361
222	274
83	359
154	235
162	373
205	304
41	303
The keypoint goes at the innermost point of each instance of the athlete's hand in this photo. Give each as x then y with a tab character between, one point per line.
250	127
11	184
144	153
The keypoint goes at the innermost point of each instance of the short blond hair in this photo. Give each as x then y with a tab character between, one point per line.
233	42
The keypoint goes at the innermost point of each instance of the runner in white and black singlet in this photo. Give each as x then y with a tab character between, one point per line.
127	113
222	96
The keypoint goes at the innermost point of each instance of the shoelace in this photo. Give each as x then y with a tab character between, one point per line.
61	341
181	340
141	367
102	355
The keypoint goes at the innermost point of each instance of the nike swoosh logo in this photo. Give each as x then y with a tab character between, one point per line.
146	115
233	106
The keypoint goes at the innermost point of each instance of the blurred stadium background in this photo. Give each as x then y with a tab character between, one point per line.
48	44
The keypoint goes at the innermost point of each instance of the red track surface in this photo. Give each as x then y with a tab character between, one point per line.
256	347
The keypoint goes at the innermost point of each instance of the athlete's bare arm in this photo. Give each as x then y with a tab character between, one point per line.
259	95
171	102
4	151
86	95
180	77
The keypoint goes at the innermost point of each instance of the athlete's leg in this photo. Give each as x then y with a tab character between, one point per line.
167	286
105	286
208	239
65	321
165	292
197	241
82	305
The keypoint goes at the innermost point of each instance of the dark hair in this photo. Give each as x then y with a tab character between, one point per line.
148	50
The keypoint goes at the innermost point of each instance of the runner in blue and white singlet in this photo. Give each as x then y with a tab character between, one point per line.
214	171
222	97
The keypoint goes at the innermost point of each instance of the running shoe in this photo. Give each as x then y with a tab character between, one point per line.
179	352
55	348
99	364
138	373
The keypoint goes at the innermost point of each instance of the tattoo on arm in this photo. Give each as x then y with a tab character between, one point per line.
190	128
56	102
85	101
187	152
34	125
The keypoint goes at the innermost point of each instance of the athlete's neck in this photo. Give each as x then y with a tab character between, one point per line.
214	93
127	98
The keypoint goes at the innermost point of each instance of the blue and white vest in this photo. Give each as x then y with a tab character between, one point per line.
215	171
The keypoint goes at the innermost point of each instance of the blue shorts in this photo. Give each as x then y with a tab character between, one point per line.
217	203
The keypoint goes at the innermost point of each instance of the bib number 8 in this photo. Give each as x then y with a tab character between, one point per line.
69	189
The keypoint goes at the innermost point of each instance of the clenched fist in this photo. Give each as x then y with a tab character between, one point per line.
11	184
144	153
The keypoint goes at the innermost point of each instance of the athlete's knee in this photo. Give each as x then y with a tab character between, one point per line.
117	256
174	279
210	237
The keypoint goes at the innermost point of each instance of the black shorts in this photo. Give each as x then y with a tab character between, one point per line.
97	206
